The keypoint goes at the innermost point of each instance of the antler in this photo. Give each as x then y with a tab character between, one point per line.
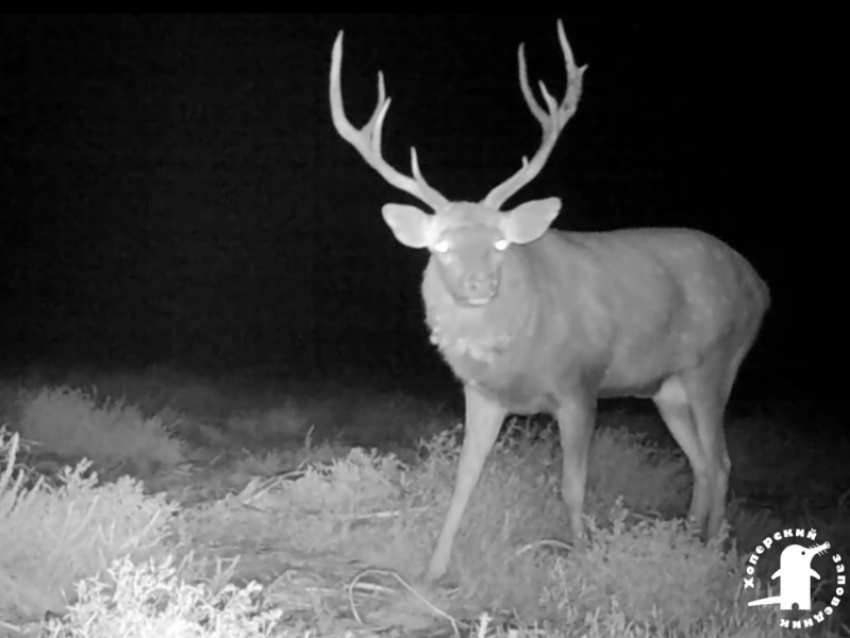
367	140
552	122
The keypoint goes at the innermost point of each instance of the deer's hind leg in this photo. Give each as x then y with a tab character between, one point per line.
693	405
674	405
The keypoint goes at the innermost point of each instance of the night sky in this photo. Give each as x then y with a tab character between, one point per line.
174	190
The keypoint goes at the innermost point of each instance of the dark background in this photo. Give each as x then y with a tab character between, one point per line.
174	190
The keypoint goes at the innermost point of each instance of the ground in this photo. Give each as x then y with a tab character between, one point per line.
329	494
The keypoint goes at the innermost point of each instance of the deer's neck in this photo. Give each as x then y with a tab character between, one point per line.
480	335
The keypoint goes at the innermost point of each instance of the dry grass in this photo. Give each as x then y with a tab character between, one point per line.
335	539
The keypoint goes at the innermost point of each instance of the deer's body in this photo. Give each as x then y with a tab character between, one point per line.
609	313
536	320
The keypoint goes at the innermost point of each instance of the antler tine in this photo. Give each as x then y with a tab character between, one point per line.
367	140
552	122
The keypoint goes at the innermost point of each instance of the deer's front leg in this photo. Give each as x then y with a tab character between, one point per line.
484	418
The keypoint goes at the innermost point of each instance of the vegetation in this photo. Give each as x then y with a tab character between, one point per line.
159	504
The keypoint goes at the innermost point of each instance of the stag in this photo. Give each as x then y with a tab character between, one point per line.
532	319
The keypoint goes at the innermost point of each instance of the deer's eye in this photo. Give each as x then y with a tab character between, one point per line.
501	244
442	246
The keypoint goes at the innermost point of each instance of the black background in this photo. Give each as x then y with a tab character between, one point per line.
174	190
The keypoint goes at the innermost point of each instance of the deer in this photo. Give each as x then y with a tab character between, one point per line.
531	319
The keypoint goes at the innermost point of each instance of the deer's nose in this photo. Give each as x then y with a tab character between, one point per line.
478	283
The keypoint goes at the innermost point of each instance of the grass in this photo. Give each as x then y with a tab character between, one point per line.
156	503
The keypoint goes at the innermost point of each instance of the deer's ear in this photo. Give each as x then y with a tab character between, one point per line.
411	226
529	221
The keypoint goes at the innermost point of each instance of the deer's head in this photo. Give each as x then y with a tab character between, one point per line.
468	241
